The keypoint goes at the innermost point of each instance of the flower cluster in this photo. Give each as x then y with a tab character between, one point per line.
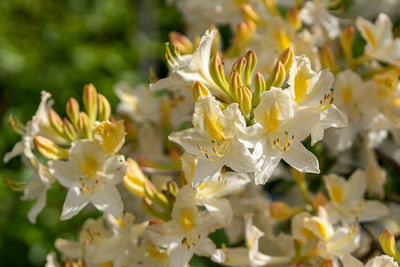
191	152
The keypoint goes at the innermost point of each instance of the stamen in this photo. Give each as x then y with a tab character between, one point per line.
286	145
219	149
171	57
327	101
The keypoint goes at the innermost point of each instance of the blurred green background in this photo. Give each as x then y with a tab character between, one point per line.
59	46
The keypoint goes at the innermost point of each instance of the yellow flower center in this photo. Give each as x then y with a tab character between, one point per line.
271	119
370	36
214	126
336	193
89	166
347	94
301	83
187	219
110	134
155	253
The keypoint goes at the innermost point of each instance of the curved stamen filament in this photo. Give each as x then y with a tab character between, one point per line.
286	145
218	150
326	102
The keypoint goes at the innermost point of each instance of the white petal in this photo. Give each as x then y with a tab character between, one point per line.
74	202
373	210
268	167
17	150
38	206
66	174
108	200
205	169
115	169
301	159
190	139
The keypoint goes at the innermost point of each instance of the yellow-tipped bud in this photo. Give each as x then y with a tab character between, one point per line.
259	87
134	178
159	198
84	126
250	14
245	31
104	108
111	135
388	244
347	39
217	72
249	67
172	187
199	89
235	82
277	77
244	98
294	19
49	149
69	130
286	57
240	65
56	122
181	43
90	101
328	59
72	109
271	6
281	211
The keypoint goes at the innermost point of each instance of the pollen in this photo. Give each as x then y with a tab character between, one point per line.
284	146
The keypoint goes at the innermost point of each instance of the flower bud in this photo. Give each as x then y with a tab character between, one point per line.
49	149
347	39
298	249
286	57
271	7
104	108
240	65
319	200
281	211
181	43
277	77
150	209
388	244
172	187
328	59
245	31
69	130
235	82
294	19
16	124
134	178
84	126
199	89
244	99
250	14
249	67
72	109
259	87
217	72
90	101
327	263
154	195
56	122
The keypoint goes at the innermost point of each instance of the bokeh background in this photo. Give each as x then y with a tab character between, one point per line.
59	46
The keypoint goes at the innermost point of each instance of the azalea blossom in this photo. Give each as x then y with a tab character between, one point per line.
91	177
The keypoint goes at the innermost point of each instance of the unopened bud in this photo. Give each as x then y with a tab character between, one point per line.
217	72
240	65
72	109
250	14
271	7
56	122
150	209
244	97
49	149
16	124
84	126
281	211
172	187
90	101
259	87
327	263
181	43
388	244
298	249
245	31
152	193
235	82
328	59
104	108
294	19
199	90
286	57
249	68
277	77
69	130
347	39
134	178
318	201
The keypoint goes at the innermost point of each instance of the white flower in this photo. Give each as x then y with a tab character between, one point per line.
37	187
214	139
187	69
280	127
137	103
380	42
249	256
347	199
376	175
315	13
51	260
311	89
377	261
187	232
91	176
